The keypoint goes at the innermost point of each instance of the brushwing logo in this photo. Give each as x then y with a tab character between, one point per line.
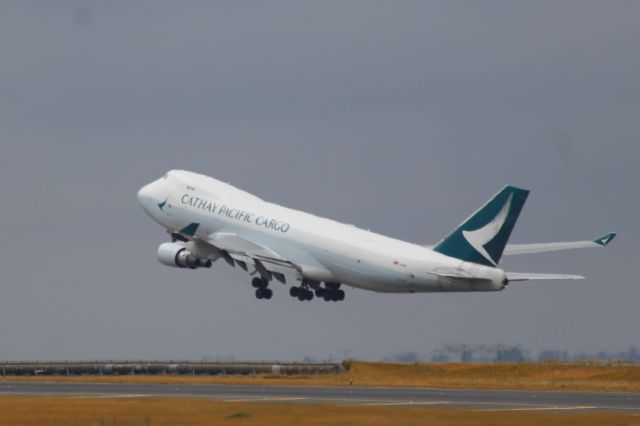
480	237
162	204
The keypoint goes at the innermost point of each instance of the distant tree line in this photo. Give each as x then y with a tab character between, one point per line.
630	355
510	353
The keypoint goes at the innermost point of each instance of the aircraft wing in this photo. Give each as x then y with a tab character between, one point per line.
520	276
543	247
270	256
244	251
235	244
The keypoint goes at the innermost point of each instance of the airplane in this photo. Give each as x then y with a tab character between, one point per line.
210	220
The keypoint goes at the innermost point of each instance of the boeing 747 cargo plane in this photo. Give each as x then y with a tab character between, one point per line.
210	220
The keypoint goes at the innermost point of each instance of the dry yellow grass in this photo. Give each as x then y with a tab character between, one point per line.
534	376
538	376
50	411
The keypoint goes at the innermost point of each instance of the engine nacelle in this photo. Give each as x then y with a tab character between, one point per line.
177	256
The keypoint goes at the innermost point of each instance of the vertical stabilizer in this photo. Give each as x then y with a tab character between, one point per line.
483	236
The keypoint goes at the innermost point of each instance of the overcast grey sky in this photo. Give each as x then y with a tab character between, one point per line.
402	117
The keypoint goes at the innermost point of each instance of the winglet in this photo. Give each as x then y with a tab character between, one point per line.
605	239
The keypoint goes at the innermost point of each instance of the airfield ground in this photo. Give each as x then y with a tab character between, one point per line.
134	410
81	411
609	377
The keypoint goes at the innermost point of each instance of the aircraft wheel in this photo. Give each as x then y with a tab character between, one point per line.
326	296
309	295
320	292
259	294
256	282
267	293
293	291
340	295
301	296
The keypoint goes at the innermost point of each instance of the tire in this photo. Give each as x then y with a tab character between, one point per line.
320	292
309	295
259	294
340	295
267	293
327	296
293	291
256	282
301	296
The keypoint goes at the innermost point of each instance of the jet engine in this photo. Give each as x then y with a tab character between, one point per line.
177	256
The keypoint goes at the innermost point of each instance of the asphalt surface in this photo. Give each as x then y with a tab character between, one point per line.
470	399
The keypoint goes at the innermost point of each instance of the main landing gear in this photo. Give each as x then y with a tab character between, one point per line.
330	292
262	291
302	293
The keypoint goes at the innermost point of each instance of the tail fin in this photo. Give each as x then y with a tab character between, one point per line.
483	236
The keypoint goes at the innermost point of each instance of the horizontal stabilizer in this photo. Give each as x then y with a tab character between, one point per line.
545	247
523	276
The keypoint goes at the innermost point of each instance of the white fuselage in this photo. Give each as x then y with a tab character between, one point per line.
331	251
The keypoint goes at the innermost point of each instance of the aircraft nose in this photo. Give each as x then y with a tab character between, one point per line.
152	195
143	195
149	195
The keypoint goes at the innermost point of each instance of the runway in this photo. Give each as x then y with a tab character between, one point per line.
469	399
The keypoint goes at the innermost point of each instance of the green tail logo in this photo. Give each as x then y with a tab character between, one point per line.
483	236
